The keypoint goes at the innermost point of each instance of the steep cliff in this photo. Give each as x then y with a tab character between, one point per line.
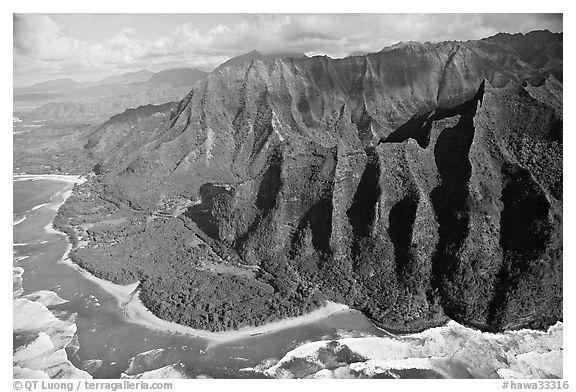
416	183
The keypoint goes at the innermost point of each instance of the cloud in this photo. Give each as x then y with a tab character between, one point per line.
39	45
40	36
42	47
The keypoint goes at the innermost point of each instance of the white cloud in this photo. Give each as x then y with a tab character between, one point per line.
40	36
40	45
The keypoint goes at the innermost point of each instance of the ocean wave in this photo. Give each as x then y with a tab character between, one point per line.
39	206
18	271
92	365
452	351
17	289
19	372
91	302
46	351
17	221
18	259
144	361
20	179
42	355
340	372
45	337
174	371
45	297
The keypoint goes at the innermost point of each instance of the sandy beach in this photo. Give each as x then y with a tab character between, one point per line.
122	293
135	311
138	313
55	177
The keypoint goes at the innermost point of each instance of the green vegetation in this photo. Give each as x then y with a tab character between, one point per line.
414	185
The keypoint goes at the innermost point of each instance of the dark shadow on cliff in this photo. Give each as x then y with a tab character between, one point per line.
420	125
201	213
269	188
450	201
401	220
319	219
524	232
362	212
265	201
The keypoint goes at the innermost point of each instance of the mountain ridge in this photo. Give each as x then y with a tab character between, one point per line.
113	94
414	184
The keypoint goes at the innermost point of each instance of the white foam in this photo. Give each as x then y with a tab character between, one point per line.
22	179
91	365
340	372
175	370
55	177
18	372
65	195
143	359
18	271
18	259
39	206
42	355
45	356
523	354
17	281
47	353
533	364
46	298
18	221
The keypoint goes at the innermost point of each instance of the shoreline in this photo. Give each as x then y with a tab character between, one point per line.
135	311
121	293
69	178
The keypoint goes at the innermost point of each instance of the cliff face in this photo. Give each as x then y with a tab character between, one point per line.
418	182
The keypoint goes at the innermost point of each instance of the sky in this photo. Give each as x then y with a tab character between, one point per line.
92	46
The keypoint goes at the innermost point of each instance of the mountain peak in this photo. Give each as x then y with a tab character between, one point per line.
402	44
176	77
57	85
256	55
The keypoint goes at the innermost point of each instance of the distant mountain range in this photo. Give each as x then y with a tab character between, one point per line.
70	101
170	76
175	77
50	86
125	78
